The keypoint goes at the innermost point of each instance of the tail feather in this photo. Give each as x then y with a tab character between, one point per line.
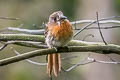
50	64
54	63
59	60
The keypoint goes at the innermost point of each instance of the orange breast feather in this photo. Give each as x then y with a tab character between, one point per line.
62	31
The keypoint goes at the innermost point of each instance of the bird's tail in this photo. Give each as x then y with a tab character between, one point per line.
54	64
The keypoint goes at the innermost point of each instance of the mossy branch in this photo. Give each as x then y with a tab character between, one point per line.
106	49
73	46
21	37
40	38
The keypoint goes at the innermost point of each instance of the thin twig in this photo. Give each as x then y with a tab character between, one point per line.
93	23
103	62
41	31
87	36
112	27
89	60
24	43
90	21
27	31
3	46
100	29
78	64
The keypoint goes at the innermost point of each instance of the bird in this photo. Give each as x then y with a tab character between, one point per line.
58	33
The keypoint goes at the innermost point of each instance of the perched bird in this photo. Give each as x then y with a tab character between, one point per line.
57	34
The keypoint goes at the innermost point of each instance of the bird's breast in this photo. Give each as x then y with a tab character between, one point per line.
62	33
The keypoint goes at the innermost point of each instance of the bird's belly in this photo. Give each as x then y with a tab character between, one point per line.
55	42
61	43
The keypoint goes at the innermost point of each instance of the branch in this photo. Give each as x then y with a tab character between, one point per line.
30	61
24	43
100	29
41	31
112	27
43	64
77	65
100	49
93	23
88	61
90	21
22	37
40	38
27	31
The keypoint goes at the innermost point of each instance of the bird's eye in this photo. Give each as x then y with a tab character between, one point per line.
55	19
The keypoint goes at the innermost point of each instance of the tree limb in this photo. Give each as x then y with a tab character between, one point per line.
106	49
41	38
22	37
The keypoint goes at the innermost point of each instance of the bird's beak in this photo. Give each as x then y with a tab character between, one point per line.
62	18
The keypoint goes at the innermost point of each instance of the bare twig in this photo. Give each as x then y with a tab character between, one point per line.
87	36
88	61
112	27
3	46
78	64
27	31
100	30
93	23
90	21
103	62
41	31
24	43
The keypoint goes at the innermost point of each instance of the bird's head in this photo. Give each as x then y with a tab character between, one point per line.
57	17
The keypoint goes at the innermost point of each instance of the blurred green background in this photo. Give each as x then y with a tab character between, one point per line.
36	12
